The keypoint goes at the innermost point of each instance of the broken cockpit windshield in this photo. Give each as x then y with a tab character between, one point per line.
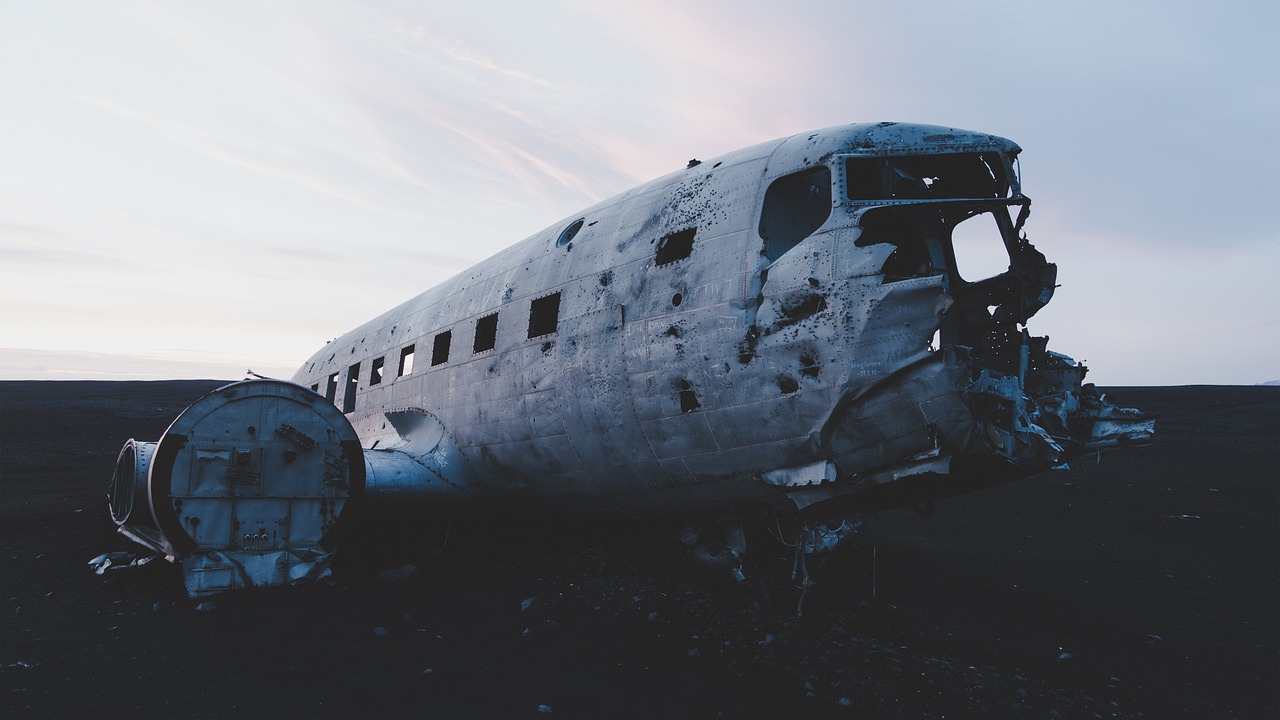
927	177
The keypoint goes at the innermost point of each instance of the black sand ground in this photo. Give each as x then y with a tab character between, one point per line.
1144	586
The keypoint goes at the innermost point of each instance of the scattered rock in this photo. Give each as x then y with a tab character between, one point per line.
400	575
544	709
381	631
844	702
206	607
528	604
694	652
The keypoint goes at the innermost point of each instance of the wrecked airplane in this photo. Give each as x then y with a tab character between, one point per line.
813	325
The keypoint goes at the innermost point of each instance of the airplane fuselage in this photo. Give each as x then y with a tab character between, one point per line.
679	342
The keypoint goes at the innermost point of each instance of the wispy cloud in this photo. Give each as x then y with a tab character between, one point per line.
248	155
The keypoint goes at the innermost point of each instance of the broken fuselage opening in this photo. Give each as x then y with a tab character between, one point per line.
974	399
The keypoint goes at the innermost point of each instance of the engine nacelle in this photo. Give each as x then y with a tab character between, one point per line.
252	485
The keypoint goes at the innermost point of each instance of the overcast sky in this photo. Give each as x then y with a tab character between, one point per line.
190	189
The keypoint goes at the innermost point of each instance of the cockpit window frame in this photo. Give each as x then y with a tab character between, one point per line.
1002	160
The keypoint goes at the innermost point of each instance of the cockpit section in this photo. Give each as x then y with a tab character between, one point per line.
958	217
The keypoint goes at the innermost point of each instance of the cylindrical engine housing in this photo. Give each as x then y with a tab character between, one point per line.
250	485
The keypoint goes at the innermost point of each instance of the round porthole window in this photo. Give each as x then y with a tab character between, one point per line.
568	234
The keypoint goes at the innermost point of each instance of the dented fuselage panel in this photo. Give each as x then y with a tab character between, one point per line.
831	322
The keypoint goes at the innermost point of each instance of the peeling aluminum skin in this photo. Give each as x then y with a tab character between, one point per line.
796	325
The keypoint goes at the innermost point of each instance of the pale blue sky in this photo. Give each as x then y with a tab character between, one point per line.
190	189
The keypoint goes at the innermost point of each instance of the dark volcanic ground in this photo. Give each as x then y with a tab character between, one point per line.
1144	586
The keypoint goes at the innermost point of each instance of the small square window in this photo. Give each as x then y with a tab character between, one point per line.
406	361
440	351
486	333
375	371
676	246
544	315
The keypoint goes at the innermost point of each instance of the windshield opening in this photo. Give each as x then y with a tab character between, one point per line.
979	248
927	177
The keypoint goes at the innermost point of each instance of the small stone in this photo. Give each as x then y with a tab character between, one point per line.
206	607
155	607
400	575
844	702
381	631
427	671
653	617
544	709
1154	638
528	604
768	640
1065	656
1022	692
694	652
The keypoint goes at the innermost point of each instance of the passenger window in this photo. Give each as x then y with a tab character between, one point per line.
440	351
375	371
349	395
676	246
544	314
486	333
794	206
406	361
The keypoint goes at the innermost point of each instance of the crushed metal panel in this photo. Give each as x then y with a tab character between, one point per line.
817	473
